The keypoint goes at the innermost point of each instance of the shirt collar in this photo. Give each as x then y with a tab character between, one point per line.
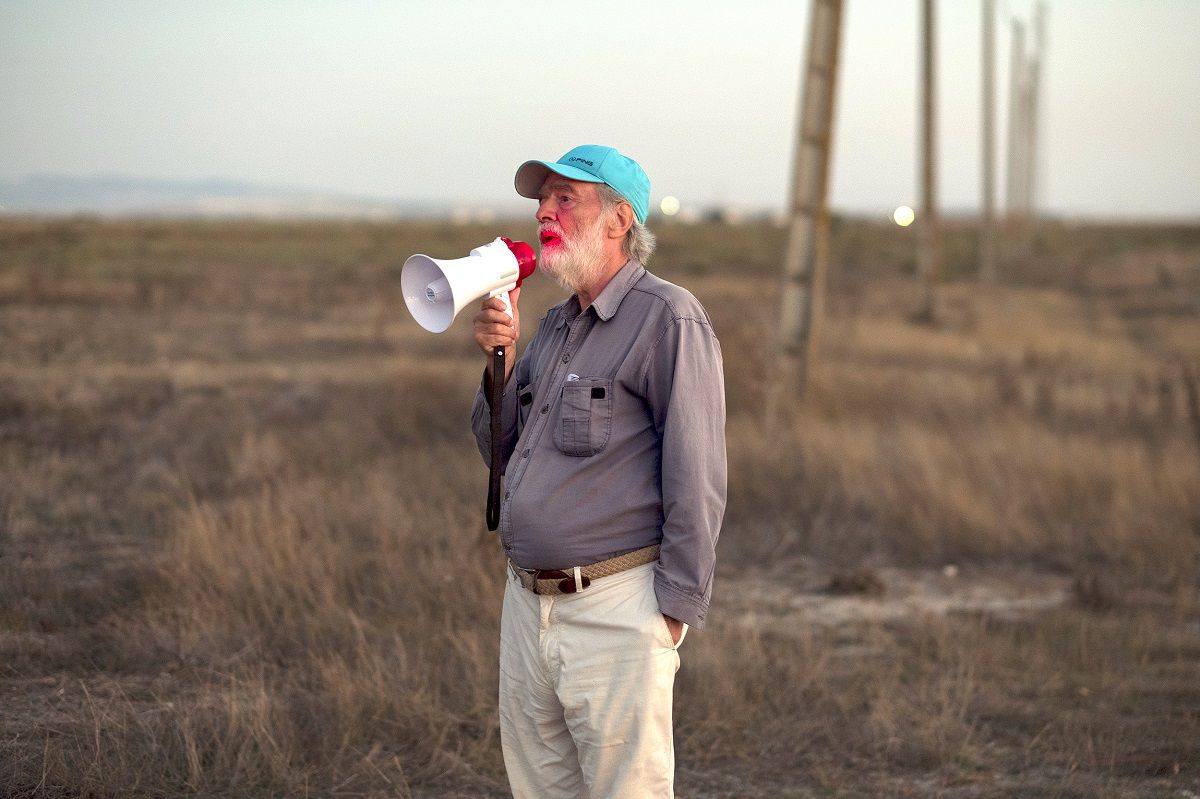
610	298
609	301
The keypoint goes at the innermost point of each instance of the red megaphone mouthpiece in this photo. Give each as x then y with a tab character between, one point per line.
526	259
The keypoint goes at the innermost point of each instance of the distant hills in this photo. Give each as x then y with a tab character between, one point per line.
116	195
112	195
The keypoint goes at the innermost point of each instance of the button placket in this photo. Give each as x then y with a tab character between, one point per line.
539	424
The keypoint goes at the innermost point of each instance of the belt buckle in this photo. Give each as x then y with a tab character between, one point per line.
566	581
546	574
569	582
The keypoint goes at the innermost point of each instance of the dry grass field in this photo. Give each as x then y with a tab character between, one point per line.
242	549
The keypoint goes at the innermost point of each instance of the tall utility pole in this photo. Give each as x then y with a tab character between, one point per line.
808	237
1017	171
1024	111
987	207
928	249
1033	90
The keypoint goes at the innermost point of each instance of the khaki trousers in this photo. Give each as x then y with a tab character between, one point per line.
585	690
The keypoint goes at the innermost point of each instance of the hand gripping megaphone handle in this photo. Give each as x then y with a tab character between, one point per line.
526	263
435	291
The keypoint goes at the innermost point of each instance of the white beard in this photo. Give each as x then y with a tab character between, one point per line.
577	263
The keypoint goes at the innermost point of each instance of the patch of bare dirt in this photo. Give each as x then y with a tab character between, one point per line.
809	595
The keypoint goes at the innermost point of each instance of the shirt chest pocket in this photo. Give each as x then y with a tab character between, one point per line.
585	416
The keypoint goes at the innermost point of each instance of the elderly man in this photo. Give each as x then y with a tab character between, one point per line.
613	432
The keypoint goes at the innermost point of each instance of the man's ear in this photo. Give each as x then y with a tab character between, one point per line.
620	222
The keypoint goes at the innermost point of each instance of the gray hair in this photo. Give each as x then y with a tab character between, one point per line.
639	241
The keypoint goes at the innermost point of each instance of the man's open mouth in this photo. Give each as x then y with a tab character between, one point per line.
549	238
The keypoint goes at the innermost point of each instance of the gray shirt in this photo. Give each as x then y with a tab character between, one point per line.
614	438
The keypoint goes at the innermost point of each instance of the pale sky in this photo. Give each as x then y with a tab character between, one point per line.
442	100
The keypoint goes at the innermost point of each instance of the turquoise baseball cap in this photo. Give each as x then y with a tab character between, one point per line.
594	164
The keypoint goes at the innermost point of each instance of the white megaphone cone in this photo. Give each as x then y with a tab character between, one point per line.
435	290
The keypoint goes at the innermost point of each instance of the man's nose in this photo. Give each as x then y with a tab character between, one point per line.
545	211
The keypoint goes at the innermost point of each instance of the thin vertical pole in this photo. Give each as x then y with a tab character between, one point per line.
1033	113
987	205
928	249
1014	183
807	249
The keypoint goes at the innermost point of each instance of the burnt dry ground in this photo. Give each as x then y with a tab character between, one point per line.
242	549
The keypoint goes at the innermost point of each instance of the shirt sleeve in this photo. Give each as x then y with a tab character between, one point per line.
685	387
481	419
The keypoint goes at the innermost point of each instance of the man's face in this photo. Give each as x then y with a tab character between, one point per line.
571	232
564	207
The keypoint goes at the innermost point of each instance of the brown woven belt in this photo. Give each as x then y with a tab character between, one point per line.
568	581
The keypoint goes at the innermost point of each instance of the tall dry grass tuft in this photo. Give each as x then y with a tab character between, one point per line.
352	597
328	634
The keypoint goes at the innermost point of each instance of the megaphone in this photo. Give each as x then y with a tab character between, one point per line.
435	291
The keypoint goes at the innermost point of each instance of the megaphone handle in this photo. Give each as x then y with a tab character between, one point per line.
495	399
503	295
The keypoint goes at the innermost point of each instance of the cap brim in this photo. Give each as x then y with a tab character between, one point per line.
532	174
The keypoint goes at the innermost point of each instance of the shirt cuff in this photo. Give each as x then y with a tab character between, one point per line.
678	604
